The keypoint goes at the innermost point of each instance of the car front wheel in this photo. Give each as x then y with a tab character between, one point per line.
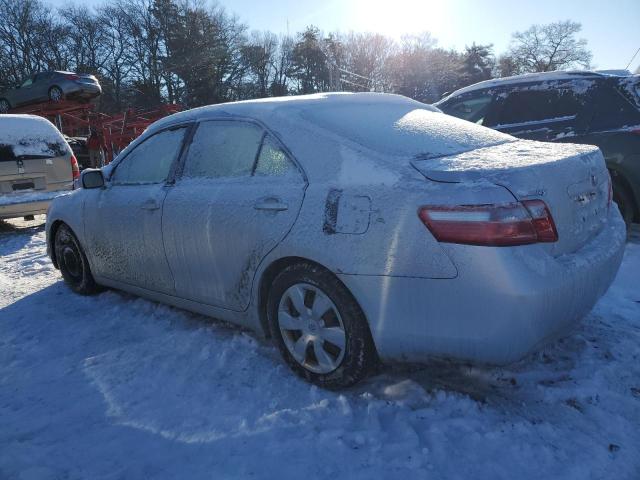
73	262
319	328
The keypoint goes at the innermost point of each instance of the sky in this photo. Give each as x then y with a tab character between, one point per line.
611	28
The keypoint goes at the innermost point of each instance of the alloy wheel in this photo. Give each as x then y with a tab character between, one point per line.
55	94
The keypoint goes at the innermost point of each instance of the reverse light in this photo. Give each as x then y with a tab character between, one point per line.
498	225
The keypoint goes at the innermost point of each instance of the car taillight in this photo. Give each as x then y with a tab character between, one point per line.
71	76
610	194
75	170
498	225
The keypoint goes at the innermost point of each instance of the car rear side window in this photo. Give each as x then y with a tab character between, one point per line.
150	161
223	149
273	161
535	105
613	110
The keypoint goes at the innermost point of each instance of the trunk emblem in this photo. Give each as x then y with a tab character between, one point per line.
20	166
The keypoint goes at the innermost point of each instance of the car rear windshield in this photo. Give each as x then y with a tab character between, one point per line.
24	138
403	129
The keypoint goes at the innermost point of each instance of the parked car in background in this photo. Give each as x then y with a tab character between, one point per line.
54	86
349	227
36	165
595	108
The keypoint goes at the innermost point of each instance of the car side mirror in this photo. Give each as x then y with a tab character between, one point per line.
92	178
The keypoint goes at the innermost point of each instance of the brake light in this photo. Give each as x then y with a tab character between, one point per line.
498	225
75	169
71	76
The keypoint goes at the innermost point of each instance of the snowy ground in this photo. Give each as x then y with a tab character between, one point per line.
114	387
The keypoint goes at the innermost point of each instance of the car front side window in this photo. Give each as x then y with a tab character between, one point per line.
473	109
223	149
150	161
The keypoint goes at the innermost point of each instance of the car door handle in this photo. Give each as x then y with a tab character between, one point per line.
274	204
150	204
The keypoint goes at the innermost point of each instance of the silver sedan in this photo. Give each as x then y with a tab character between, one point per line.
349	228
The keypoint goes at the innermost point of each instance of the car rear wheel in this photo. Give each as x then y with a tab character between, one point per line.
319	328
73	262
4	105
55	94
623	198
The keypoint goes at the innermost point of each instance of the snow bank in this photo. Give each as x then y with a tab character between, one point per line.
117	387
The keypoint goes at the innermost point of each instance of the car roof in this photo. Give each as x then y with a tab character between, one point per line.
327	132
264	109
537	77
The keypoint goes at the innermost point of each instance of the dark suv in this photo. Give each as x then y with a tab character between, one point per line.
576	107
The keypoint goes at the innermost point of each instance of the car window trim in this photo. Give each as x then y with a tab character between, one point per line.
266	131
171	175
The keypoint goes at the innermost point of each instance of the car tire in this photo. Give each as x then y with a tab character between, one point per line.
73	263
5	106
622	196
319	327
56	94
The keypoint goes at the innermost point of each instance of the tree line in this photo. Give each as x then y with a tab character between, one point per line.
148	52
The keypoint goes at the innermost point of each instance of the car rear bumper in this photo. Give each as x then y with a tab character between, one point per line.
505	302
20	205
83	90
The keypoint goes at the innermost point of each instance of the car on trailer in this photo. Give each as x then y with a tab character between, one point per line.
52	86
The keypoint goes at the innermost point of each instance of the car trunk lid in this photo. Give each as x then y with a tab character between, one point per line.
571	179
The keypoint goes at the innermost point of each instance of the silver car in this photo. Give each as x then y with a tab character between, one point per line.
54	86
36	165
349	228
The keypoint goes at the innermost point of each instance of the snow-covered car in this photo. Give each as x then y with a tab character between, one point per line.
54	86
594	108
349	228
36	165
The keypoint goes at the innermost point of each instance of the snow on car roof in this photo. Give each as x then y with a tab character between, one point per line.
532	77
31	135
371	119
263	107
329	132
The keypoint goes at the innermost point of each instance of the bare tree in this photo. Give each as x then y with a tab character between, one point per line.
423	71
543	48
365	63
31	40
282	66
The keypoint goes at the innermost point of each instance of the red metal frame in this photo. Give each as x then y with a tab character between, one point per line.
74	119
